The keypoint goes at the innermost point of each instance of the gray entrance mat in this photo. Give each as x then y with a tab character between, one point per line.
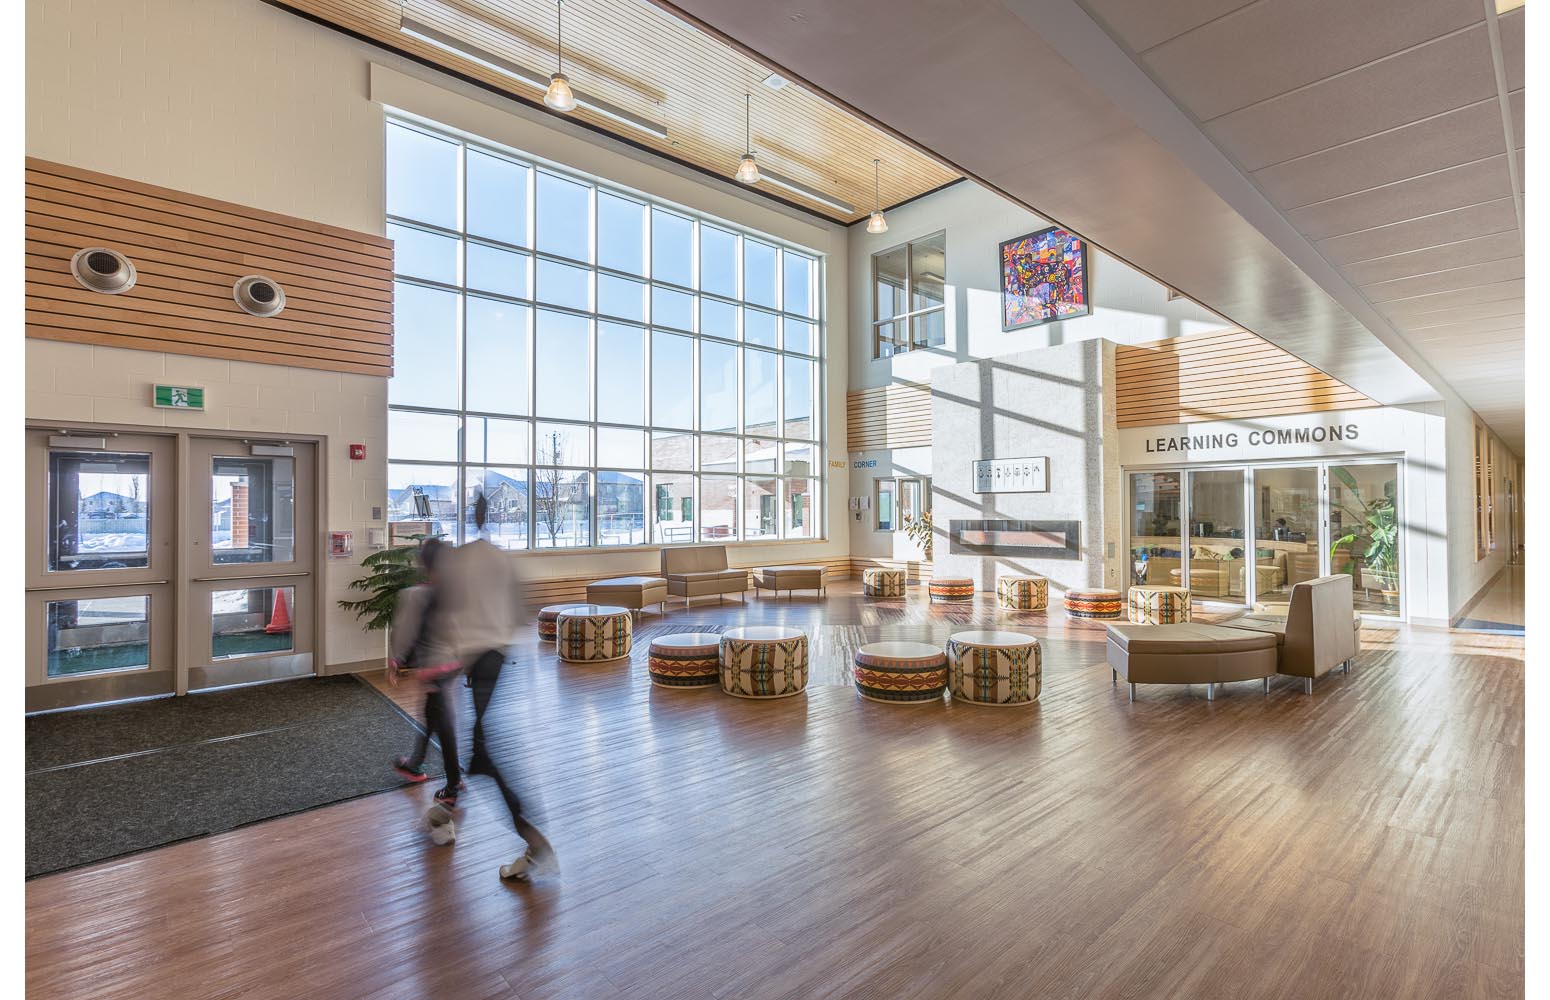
106	782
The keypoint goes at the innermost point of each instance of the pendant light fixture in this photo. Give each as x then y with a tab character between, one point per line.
747	169
876	224
559	96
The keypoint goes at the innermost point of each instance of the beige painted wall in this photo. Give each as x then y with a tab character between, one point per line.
235	99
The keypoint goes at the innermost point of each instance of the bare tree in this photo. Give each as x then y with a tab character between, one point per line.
549	493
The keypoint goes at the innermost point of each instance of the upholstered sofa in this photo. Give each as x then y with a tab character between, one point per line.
1318	632
701	571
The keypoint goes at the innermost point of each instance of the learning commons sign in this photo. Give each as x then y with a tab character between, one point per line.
1372	431
1317	434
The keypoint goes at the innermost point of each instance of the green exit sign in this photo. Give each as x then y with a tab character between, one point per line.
179	397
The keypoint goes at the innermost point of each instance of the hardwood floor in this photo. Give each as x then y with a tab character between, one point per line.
1366	841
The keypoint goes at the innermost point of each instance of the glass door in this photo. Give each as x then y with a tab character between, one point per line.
1218	560
100	564
251	544
1156	529
1364	533
1287	549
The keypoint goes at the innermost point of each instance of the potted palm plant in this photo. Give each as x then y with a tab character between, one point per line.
1371	541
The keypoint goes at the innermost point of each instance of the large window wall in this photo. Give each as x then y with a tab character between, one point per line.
609	371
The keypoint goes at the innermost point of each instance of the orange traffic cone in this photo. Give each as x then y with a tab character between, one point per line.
280	621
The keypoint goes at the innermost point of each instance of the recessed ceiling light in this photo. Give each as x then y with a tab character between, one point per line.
775	81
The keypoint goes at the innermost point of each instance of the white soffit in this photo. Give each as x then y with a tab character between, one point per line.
1322	173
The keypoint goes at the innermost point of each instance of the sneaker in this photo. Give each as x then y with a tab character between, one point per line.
447	797
410	772
521	869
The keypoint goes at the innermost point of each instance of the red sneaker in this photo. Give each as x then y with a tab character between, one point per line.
410	772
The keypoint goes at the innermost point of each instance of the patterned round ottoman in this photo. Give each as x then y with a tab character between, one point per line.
1094	603
951	590
593	633
909	672
763	661
685	660
1156	605
548	619
994	668
1022	593
878	582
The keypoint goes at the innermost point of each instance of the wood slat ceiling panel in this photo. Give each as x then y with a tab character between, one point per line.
1220	375
655	66
188	252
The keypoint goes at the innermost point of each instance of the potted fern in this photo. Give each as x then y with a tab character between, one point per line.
388	572
918	528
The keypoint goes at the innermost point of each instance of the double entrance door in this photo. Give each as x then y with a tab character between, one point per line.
1247	534
164	564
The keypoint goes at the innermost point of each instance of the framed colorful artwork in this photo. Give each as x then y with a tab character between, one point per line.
1043	278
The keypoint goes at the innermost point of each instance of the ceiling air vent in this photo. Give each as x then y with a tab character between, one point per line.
103	270
259	296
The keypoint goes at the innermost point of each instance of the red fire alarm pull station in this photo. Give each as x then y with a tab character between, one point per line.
357	452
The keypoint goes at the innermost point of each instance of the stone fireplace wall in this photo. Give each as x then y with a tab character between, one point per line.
1057	403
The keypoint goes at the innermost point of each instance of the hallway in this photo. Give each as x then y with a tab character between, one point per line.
1501	607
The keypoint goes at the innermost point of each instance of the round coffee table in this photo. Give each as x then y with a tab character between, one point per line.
951	590
1022	593
763	661
879	582
594	633
685	660
994	668
548	619
901	672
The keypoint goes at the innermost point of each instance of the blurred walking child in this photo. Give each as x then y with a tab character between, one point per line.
421	646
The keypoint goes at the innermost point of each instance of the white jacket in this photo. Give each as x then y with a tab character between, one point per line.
484	591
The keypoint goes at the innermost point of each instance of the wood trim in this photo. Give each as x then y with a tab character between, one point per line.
1220	375
188	251
890	416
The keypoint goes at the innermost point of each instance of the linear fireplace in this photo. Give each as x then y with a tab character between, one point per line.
1034	539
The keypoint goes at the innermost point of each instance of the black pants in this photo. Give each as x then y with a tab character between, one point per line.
483	677
440	721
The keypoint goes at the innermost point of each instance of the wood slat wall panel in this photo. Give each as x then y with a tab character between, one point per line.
188	251
891	416
1221	375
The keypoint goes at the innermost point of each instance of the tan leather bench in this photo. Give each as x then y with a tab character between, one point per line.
1189	654
1320	631
633	592
788	578
701	571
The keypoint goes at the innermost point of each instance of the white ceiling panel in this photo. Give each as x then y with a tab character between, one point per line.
1145	23
1413	198
1404	265
1367	100
1511	27
1501	292
1374	127
1434	143
1453	279
1436	229
1267	49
